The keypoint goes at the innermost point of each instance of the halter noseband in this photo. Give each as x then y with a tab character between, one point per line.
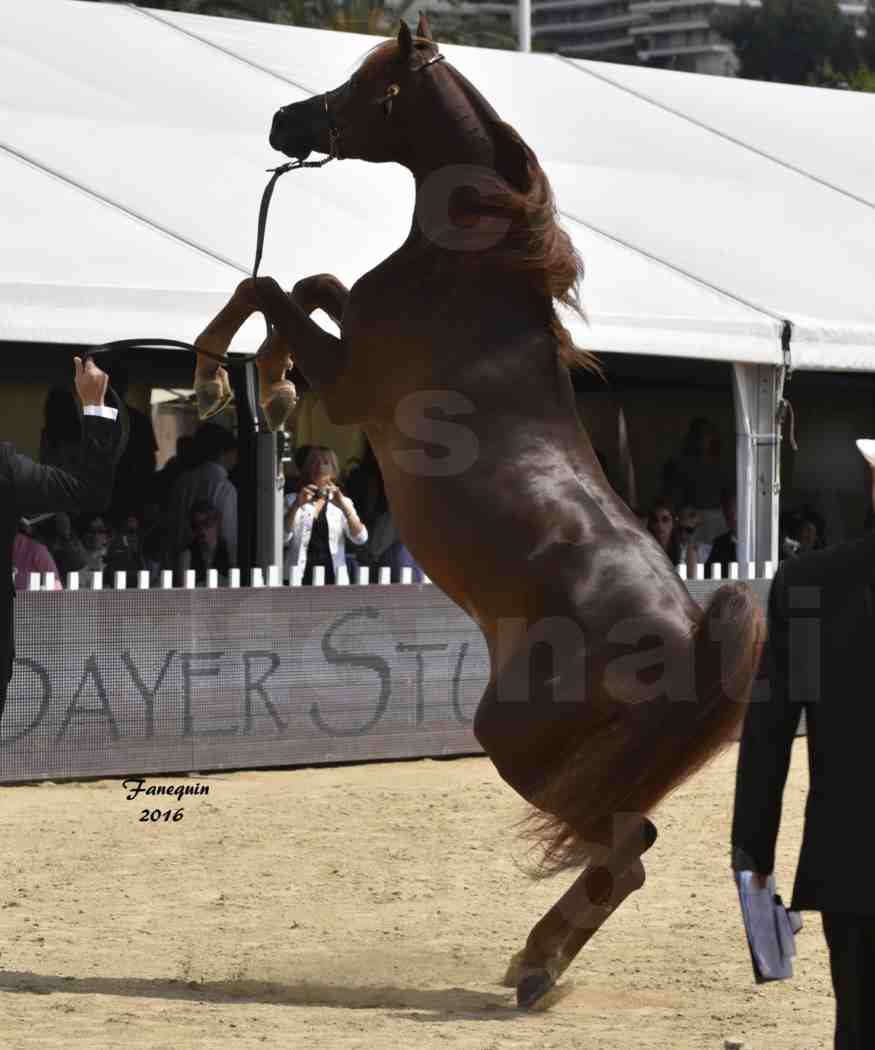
334	132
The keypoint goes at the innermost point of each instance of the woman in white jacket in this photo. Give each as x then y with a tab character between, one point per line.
320	520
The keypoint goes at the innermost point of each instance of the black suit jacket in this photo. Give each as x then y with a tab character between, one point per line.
28	488
821	656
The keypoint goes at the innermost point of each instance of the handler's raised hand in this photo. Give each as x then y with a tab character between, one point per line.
91	383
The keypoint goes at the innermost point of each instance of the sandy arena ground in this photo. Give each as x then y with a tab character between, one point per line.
369	906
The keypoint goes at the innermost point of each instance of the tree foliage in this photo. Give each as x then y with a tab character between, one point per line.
796	42
353	16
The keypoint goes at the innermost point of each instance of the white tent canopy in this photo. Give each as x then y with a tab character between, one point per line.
134	144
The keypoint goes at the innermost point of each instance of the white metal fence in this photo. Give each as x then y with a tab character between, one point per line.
272	577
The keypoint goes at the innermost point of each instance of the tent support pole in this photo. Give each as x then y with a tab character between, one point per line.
269	494
757	391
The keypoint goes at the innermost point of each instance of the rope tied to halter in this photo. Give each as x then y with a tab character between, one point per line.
291	165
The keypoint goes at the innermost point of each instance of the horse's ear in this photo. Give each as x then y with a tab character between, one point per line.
423	29
405	40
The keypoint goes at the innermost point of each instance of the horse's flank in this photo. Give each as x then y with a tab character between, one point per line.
520	198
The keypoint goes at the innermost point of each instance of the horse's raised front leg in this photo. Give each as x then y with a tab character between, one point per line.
322	291
277	395
320	355
211	386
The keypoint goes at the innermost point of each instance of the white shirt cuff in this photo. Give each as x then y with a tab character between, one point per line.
104	411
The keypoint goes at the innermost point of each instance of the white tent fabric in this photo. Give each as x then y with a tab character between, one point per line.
133	146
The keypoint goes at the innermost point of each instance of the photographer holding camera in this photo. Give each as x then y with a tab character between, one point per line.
320	520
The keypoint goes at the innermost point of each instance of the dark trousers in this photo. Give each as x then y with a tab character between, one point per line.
3	687
851	941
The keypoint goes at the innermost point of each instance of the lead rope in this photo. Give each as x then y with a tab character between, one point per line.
292	165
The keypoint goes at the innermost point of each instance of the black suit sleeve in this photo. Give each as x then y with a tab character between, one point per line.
766	746
35	489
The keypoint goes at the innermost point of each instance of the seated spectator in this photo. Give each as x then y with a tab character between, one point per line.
213	453
207	550
725	549
320	519
29	555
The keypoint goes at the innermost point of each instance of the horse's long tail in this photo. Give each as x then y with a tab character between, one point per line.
631	761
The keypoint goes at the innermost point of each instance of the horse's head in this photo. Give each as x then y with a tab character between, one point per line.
366	117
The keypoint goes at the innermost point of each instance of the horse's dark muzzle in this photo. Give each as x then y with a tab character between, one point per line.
296	128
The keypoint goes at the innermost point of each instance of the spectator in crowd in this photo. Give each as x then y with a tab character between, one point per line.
61	435
320	520
663	526
29	555
57	533
367	490
801	529
207	550
96	536
173	469
821	626
808	536
125	553
135	471
698	476
213	454
725	549
693	551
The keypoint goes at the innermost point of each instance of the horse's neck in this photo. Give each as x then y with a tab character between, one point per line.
451	132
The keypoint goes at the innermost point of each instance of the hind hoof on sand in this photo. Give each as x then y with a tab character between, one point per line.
212	395
533	988
278	403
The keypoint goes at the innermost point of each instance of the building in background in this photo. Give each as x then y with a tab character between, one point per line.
670	34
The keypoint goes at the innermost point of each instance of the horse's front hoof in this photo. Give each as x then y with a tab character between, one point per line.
278	404
532	989
212	395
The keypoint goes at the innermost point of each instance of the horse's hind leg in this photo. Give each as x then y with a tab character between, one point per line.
615	872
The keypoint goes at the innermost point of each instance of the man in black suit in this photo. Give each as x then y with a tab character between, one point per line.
821	642
28	488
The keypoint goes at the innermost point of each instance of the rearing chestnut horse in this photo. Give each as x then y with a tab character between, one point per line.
608	685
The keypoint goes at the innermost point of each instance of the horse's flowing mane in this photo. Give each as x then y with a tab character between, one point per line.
517	197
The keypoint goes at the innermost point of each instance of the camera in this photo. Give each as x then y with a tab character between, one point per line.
322	494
